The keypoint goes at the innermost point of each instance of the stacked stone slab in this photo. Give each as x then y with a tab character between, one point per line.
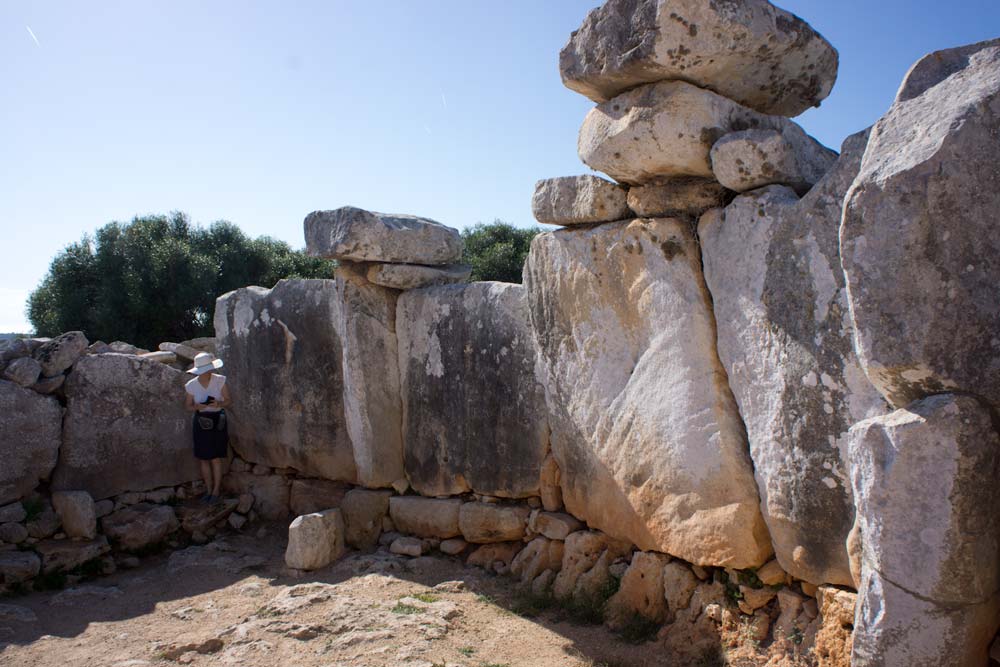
693	98
620	308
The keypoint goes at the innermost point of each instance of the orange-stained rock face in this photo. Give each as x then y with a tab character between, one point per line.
645	430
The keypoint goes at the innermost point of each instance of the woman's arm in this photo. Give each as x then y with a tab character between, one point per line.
224	403
189	403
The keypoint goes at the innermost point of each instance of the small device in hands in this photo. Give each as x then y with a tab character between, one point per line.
208	401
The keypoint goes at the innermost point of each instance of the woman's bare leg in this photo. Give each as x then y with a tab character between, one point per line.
216	476
206	475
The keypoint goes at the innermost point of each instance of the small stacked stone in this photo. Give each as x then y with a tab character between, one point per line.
693	103
391	250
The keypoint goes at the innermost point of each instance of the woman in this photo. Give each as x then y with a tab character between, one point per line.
207	397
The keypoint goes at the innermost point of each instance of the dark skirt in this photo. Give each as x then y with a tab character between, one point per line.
211	435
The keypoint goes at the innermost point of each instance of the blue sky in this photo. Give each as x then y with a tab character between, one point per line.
261	112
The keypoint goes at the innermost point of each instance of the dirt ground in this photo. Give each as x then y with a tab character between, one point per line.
232	602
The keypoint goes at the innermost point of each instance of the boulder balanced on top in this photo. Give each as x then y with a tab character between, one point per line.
673	79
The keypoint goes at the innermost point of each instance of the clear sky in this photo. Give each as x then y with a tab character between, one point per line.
260	112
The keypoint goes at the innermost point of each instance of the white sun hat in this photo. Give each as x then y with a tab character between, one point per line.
204	362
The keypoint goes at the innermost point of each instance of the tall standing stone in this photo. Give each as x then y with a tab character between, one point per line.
474	416
30	435
283	360
925	484
750	51
365	320
645	430
920	242
126	428
772	264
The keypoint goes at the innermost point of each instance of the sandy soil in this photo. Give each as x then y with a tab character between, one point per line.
232	602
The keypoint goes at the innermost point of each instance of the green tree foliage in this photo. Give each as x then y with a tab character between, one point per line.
156	279
496	251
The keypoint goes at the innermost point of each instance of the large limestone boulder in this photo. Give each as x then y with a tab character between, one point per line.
474	415
315	540
751	51
644	426
666	130
484	523
364	236
125	429
426	517
641	593
140	526
676	197
365	318
785	338
920	243
30	434
58	354
927	500
363	511
284	370
575	200
751	159
77	513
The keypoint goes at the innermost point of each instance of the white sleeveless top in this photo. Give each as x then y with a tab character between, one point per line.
200	393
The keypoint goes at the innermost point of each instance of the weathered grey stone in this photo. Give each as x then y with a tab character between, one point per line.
540	555
13	513
365	236
554	525
621	314
483	523
412	276
180	350
24	371
13	349
927	500
160	357
49	385
315	540
13	533
640	593
426	517
313	495
45	524
76	511
920	243
365	317
202	343
785	338
284	361
121	347
197	517
139	526
496	557
270	492
678	196
751	51
574	200
453	546
61	352
113	441
407	546
18	566
363	513
60	555
30	434
751	159
666	130
474	416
